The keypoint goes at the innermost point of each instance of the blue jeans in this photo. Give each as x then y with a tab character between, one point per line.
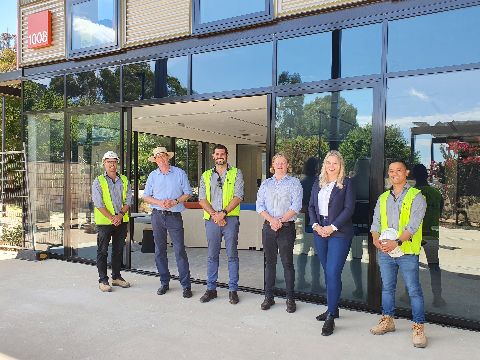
174	224
332	252
408	265
214	239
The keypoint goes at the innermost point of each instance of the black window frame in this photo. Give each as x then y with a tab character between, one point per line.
229	23
92	50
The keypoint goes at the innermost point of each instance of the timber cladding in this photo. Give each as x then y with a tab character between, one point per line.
291	7
57	49
149	21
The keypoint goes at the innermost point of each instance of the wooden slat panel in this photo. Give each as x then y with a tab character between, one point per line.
153	20
290	7
54	52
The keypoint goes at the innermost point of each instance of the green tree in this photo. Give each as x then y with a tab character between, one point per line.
8	60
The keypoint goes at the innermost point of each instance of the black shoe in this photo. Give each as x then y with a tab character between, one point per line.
233	296
291	306
323	317
209	295
328	326
163	289
187	293
267	303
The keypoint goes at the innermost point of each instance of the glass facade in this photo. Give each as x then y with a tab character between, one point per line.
429	118
155	79
214	10
43	94
437	131
435	40
238	68
306	128
93	25
101	86
91	137
45	148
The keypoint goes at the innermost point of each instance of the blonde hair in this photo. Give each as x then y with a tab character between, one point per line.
322	178
275	157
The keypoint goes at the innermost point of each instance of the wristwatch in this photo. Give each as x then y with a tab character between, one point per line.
399	242
225	212
121	212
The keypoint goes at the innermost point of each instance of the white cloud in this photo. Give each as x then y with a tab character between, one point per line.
92	33
418	94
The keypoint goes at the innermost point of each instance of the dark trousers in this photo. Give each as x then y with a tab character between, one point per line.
282	242
174	224
117	234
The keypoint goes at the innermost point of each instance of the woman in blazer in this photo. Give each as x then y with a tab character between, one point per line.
331	207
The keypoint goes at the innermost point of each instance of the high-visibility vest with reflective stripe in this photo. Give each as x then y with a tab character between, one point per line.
408	247
101	219
228	190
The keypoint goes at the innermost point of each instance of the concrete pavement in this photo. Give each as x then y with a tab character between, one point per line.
54	310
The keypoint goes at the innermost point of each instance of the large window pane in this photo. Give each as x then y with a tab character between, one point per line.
93	24
99	86
45	144
155	79
233	69
341	53
295	65
441	39
92	136
361	52
437	131
214	10
307	126
43	94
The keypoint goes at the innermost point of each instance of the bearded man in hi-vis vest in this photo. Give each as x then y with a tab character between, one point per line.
220	194
112	197
397	234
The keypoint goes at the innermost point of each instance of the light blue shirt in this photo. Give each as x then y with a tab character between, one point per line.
277	197
171	185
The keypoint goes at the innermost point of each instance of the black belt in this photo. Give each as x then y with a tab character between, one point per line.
167	212
286	223
323	217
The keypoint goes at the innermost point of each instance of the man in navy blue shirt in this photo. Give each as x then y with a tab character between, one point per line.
166	190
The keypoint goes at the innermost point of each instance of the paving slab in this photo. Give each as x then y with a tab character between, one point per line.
53	310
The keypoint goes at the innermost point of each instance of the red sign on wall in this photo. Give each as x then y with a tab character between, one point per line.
39	30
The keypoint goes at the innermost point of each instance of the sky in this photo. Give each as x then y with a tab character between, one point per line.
8	16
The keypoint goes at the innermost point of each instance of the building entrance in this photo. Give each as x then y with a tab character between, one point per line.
191	130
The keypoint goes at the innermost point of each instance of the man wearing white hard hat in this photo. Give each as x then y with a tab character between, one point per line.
112	197
166	190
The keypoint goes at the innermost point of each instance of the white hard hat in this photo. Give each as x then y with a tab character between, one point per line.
110	155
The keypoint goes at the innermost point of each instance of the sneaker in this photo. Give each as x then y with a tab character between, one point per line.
418	335
120	282
385	325
104	287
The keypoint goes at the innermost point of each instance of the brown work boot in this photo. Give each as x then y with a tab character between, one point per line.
104	287
385	325
418	335
120	282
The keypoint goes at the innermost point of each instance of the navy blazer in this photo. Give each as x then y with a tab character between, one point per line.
340	208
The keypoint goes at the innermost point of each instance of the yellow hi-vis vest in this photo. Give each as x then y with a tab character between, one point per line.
228	190
101	219
408	247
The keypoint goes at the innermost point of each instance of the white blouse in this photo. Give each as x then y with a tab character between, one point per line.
324	198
